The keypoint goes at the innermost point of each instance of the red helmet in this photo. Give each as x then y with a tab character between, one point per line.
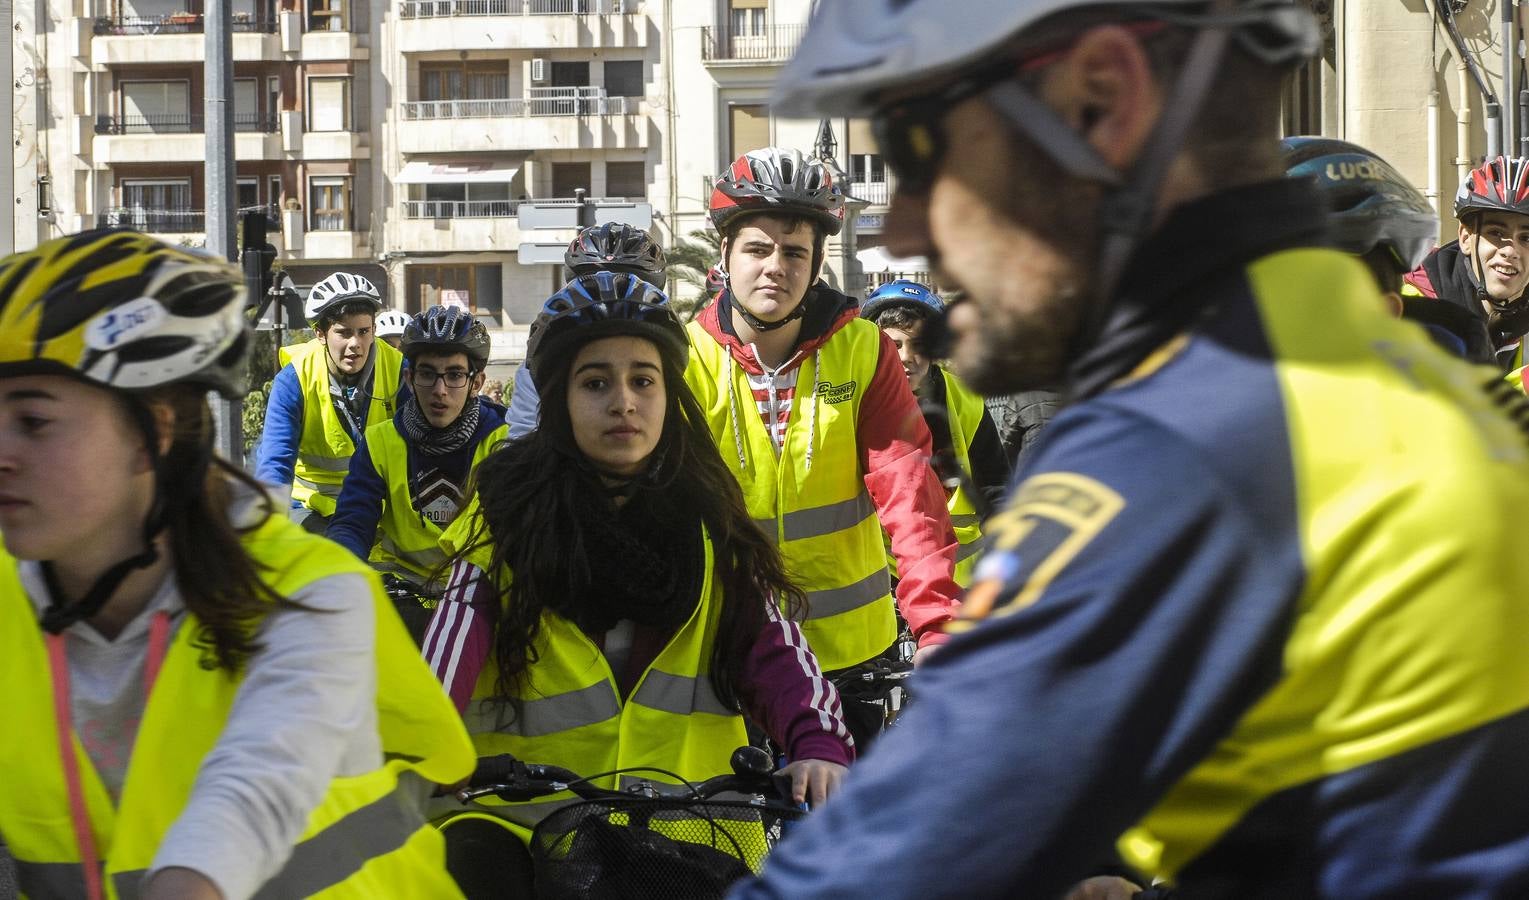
1501	183
781	181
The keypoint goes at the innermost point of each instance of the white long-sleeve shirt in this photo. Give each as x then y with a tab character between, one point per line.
304	714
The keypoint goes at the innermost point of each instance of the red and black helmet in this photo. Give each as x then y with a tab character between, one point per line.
778	181
1501	183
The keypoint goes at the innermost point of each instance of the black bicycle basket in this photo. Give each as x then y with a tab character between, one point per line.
665	847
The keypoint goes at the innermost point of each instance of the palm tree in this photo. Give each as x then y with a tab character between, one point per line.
689	261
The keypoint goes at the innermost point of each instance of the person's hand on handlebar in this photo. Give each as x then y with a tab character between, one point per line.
813	780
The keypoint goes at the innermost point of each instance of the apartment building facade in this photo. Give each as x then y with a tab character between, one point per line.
437	146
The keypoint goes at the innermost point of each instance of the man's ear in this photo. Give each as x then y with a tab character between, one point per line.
1105	88
318	332
1467	237
477	384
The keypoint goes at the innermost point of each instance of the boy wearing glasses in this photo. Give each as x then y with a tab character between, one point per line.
408	474
1250	617
813	413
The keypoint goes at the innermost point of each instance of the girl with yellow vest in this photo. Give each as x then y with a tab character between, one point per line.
202	700
628	617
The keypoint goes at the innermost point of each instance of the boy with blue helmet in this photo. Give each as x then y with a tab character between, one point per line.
968	455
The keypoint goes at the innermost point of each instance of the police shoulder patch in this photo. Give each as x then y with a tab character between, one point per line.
1050	519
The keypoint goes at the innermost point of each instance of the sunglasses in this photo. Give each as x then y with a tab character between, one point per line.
911	133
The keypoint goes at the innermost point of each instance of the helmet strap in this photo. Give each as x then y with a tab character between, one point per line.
761	325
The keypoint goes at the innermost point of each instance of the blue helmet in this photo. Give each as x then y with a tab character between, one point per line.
449	329
902	292
604	304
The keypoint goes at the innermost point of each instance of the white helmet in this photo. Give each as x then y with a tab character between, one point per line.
341	287
391	322
855	51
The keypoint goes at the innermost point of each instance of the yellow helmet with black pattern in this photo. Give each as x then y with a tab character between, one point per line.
123	310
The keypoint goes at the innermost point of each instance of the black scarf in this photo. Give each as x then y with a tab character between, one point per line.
432	441
644	561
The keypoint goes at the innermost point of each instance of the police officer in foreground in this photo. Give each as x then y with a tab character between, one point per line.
1251	616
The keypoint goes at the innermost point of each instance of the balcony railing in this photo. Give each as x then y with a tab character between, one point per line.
459	209
775	43
158	221
177	23
162	123
176	220
877	193
329	221
570	101
438	9
180	123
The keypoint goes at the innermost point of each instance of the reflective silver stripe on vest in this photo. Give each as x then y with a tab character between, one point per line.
961	520
821	604
63	880
820	520
549	715
770	528
679	695
429	558
327	463
339	851
129	884
965	551
331	490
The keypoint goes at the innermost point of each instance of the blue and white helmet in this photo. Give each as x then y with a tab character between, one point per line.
604	304
902	292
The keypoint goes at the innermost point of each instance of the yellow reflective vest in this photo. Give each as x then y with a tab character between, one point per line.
366	839
289	352
324	451
966	411
571	713
408	544
810	498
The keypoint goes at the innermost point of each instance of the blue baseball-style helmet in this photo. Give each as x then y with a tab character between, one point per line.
604	304
902	292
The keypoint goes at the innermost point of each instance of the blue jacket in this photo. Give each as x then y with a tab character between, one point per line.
1252	617
360	507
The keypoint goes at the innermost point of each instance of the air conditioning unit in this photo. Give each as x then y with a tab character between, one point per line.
540	70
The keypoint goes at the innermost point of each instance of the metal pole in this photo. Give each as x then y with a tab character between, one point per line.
218	120
1509	69
7	129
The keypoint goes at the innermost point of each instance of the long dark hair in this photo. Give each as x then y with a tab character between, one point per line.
526	491
218	580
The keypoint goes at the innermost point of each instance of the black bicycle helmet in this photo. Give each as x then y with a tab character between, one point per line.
773	180
449	329
616	247
603	304
1369	203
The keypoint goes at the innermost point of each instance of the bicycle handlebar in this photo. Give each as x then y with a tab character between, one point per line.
514	781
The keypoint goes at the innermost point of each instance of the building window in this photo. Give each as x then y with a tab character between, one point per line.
329	204
749	129
158	206
247	194
747	17
156	107
273	189
272	96
477	288
569	177
246	104
626	179
464	81
328	104
624	78
326	15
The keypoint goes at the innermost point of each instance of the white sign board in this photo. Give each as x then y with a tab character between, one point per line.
453	297
539	254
